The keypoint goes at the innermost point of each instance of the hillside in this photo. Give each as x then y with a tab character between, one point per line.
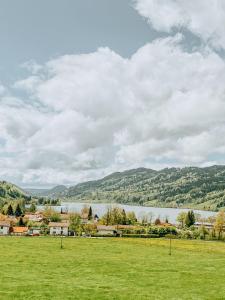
51	193
202	188
10	192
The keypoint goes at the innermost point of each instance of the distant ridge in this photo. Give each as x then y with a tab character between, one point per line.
192	187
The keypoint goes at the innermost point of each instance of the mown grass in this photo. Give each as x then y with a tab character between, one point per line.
110	268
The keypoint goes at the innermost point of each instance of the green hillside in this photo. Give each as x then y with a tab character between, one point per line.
10	192
192	187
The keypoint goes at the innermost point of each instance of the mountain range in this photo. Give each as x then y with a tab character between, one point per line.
189	187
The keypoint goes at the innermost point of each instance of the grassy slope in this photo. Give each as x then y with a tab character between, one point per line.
36	268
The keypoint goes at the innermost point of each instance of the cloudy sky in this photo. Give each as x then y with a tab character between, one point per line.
92	87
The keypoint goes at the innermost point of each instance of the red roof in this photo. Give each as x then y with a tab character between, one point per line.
20	229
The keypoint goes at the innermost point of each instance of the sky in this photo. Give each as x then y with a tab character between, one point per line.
92	87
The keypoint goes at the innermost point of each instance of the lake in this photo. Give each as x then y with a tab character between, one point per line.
140	211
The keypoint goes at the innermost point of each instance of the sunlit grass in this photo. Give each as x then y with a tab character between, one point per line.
37	268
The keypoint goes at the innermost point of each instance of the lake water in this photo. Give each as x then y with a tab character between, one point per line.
140	211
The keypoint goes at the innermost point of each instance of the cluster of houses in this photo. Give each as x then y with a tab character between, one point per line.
34	227
8	227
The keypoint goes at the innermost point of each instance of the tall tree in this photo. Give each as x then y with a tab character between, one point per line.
124	217
220	223
21	223
190	218
75	222
181	218
90	213
10	210
18	211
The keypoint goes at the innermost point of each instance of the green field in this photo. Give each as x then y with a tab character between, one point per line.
110	268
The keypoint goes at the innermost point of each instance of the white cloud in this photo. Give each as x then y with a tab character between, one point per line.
204	18
88	115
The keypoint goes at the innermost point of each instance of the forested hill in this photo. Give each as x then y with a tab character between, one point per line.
193	187
11	192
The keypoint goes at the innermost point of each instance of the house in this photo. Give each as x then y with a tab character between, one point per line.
34	217
108	230
205	224
58	228
4	227
22	230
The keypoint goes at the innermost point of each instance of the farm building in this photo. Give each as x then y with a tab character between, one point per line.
107	230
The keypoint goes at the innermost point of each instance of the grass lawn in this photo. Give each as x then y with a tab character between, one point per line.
110	268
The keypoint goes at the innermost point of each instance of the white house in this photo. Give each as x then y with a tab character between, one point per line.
4	227
58	228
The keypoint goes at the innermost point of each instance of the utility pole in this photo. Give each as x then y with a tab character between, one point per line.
61	242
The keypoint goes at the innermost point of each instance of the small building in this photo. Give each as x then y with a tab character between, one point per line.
20	230
34	217
108	230
58	228
205	224
4	227
34	231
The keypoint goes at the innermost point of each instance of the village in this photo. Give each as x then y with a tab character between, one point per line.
115	223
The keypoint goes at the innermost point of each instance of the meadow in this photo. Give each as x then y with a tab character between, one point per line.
110	268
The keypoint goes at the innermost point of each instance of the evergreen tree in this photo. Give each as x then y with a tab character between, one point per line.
10	210
190	218
90	213
18	211
124	217
21	223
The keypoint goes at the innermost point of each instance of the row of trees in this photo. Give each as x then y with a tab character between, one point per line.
117	215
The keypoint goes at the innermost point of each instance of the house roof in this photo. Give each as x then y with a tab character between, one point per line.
105	227
58	224
21	229
128	227
5	223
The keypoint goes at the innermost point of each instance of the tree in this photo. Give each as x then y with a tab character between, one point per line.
75	222
190	218
10	210
55	217
131	218
90	213
124	217
32	207
51	215
21	223
18	211
181	218
157	221
220	223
